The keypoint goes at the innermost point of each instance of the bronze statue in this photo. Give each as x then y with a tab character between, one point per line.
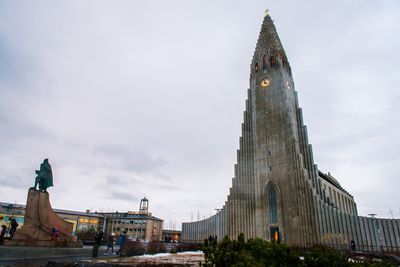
44	176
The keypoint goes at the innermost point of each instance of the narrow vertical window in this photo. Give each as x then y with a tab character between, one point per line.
272	61
256	68
264	65
273	216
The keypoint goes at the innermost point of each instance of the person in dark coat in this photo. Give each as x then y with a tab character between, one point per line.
99	237
13	227
54	233
2	233
110	244
353	245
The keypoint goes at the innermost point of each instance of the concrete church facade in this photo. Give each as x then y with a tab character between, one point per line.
277	191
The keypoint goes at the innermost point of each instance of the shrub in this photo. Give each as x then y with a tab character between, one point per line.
155	247
188	247
321	256
133	248
257	252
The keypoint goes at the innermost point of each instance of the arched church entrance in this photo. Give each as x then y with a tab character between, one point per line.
272	217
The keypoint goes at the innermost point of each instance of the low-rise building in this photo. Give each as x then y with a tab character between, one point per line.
140	225
171	236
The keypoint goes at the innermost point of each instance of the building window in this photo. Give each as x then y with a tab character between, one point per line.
273	216
272	61
264	65
256	68
270	168
269	153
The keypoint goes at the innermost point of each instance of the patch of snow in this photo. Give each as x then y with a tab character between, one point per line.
154	255
198	252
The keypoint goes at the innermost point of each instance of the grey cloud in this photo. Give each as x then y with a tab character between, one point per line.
12	127
131	159
168	187
122	195
162	177
114	180
13	181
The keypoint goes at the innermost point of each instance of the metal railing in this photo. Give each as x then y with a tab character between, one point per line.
368	249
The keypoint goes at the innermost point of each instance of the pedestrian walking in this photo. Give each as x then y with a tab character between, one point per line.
54	233
97	238
110	244
13	227
353	245
2	233
121	242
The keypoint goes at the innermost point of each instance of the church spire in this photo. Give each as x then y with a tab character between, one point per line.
269	44
268	37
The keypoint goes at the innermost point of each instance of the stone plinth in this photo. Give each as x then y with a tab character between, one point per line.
38	223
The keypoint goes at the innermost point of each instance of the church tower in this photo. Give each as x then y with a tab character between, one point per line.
284	209
277	191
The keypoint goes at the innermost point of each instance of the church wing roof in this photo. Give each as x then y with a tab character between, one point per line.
330	179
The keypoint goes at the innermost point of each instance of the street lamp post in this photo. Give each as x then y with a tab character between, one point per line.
77	225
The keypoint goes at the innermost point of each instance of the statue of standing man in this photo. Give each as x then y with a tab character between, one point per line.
44	176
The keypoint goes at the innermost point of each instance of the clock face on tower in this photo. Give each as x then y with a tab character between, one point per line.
265	83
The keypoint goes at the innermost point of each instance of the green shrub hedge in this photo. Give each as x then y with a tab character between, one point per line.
257	252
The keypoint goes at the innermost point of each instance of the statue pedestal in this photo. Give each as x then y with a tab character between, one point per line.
38	223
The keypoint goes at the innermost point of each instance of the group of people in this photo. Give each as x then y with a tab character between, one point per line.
11	230
111	241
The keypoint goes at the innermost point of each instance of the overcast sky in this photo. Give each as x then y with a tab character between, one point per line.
145	98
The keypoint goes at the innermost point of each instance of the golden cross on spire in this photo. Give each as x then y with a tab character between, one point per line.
266	12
